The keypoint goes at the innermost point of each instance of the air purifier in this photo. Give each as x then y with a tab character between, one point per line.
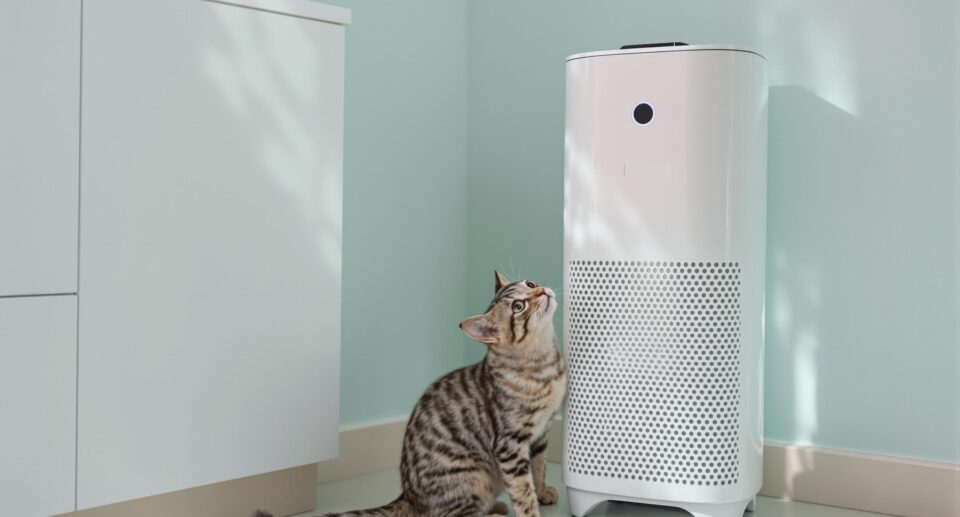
664	222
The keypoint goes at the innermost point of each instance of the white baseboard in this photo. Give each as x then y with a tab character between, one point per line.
868	482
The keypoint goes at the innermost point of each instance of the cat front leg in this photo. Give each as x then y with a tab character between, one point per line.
513	460
545	494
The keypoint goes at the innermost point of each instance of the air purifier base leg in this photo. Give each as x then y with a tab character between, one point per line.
752	505
717	510
582	501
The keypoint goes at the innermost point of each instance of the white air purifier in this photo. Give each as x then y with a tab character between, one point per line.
664	221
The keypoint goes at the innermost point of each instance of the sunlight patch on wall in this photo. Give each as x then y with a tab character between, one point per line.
805	388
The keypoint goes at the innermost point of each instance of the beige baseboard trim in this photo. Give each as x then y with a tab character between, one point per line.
365	449
868	482
284	492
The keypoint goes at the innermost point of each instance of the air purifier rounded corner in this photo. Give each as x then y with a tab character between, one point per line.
664	277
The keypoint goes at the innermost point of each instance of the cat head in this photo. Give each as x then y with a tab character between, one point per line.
519	313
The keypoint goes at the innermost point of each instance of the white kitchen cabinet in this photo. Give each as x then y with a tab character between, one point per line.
210	227
39	145
38	361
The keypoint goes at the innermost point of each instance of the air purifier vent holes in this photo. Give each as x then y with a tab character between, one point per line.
654	353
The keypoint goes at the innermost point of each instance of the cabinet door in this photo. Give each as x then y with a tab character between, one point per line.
39	142
210	264
38	373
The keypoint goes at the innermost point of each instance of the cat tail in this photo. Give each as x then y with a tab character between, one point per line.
399	507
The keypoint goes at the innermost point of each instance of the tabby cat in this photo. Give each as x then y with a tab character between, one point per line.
483	428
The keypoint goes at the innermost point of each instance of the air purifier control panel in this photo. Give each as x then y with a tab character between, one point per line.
643	113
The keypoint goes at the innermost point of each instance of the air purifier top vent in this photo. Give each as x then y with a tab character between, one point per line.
663	47
651	45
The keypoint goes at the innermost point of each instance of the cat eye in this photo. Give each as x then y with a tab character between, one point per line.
530	284
518	306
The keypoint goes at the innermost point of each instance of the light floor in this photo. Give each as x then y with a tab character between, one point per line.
382	487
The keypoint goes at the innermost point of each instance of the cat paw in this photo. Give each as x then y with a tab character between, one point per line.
548	495
499	508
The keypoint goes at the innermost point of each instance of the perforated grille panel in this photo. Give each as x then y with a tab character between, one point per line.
654	353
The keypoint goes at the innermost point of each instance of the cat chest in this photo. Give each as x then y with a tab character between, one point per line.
558	388
548	407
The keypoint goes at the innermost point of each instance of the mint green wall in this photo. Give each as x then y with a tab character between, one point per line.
862	348
454	166
404	196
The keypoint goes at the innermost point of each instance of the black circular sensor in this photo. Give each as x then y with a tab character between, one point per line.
643	113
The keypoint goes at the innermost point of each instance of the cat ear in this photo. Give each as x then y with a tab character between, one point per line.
481	329
500	281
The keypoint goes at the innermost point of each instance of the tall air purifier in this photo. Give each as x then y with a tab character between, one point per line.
664	221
